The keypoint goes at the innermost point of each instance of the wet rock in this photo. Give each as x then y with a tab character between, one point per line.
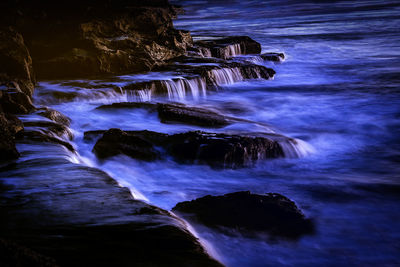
50	128
80	216
191	115
272	213
115	142
55	116
222	150
277	57
129	105
9	127
43	137
217	150
228	47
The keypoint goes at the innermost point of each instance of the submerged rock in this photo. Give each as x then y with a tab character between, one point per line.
228	47
217	150
272	213
277	57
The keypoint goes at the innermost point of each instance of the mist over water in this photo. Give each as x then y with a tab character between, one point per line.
337	93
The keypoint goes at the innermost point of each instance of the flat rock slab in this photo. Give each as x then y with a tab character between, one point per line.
272	213
217	150
79	216
168	112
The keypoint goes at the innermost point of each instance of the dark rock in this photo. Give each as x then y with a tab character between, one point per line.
217	150
50	128
191	115
115	142
277	57
129	105
222	150
55	116
228	47
80	216
9	127
272	213
16	70
15	102
85	38
12	254
38	136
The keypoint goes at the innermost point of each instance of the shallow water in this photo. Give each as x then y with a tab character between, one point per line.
338	92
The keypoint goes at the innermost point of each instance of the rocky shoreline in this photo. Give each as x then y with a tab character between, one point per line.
102	224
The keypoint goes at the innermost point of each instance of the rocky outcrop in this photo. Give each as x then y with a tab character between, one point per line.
16	71
276	57
217	150
228	47
9	127
83	38
244	211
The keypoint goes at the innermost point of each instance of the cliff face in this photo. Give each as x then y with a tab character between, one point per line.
78	39
85	38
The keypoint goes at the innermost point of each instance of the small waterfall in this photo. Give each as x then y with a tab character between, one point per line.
205	52
232	50
225	76
296	148
143	95
177	88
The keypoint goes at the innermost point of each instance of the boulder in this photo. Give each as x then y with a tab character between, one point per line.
277	57
272	213
15	102
55	116
216	150
228	47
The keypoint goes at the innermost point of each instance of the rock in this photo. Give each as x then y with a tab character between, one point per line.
191	115
82	39
16	71
115	142
222	150
129	105
15	102
55	116
12	254
50	128
9	127
217	150
277	57
37	136
228	47
79	216
272	213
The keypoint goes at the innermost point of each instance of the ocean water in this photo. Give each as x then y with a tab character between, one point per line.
337	92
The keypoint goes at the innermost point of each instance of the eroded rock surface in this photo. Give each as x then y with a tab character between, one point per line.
217	150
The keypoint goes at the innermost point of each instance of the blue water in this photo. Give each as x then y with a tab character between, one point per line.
338	91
